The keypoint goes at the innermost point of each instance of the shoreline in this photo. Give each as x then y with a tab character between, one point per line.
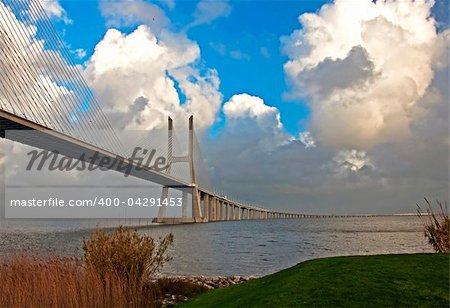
210	282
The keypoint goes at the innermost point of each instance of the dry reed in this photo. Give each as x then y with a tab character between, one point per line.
60	282
114	273
129	254
436	226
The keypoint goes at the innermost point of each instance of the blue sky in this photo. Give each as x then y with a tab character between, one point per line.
244	46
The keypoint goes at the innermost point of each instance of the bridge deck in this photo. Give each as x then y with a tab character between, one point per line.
15	128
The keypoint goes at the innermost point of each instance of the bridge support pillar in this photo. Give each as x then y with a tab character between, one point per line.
214	209
164	195
218	210
184	204
211	208
222	209
196	210
206	198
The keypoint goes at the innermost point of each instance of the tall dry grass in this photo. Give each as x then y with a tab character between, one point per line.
114	273
60	282
128	254
436	225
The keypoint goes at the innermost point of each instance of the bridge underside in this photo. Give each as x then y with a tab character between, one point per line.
175	220
16	129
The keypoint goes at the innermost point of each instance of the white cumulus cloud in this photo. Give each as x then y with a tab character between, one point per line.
245	105
364	66
142	79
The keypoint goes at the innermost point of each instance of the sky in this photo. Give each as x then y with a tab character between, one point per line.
314	106
243	36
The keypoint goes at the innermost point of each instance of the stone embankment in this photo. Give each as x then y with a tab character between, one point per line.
215	282
207	282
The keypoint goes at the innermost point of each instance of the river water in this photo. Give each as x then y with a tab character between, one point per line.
236	247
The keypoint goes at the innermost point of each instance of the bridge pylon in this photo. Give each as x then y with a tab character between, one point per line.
196	198
189	158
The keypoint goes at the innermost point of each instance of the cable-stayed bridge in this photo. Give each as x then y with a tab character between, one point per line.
42	90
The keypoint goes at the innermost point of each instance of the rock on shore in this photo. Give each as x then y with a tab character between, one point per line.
207	282
214	282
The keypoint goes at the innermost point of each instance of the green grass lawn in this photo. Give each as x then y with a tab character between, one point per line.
416	280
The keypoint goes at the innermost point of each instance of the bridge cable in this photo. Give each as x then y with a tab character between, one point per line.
79	79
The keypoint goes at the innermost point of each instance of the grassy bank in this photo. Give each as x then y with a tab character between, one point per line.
360	281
